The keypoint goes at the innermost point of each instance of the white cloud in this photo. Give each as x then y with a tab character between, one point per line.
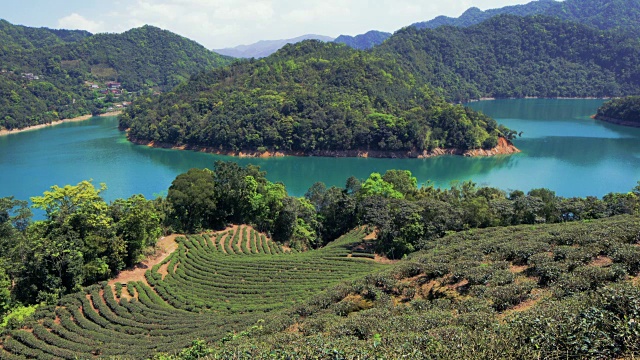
225	23
76	21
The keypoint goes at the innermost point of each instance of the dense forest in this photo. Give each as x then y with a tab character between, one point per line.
47	75
619	15
625	111
510	56
481	253
308	98
314	98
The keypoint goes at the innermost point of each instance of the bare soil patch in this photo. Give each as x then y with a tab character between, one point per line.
516	269
601	261
165	247
384	260
164	270
372	236
535	297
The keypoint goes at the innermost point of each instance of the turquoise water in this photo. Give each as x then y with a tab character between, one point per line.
562	149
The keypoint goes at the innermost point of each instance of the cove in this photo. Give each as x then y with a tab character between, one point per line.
563	149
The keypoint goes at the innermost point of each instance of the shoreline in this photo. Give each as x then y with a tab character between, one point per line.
537	97
4	132
616	121
504	147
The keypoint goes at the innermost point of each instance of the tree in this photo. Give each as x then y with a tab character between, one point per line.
192	197
5	290
375	185
402	181
138	224
60	203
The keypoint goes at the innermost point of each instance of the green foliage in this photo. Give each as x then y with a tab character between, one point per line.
310	98
141	59
509	56
17	316
193	200
472	309
625	110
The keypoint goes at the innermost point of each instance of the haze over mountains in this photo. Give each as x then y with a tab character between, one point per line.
265	48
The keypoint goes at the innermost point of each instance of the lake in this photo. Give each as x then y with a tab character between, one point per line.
562	149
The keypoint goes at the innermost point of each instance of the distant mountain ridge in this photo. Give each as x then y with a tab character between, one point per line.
601	14
265	48
363	41
475	16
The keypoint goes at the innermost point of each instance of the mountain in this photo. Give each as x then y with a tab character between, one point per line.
512	56
363	41
48	75
475	16
602	14
266	47
24	37
310	98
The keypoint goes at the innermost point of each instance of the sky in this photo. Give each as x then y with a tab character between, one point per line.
227	23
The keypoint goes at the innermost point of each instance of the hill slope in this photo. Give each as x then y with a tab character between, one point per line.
511	56
310	98
622	15
541	291
60	71
212	286
548	291
266	47
24	37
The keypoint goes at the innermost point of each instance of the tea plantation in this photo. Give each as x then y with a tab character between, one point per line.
212	286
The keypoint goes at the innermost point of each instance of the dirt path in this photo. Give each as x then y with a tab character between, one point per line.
166	246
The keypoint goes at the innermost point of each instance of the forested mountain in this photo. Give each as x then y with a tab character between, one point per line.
266	47
310	97
621	15
511	56
24	37
313	97
475	16
625	111
363	41
601	14
48	74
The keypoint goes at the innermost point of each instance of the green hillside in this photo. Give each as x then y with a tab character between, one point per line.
15	37
310	98
477	266
215	284
619	15
625	111
48	75
510	56
548	292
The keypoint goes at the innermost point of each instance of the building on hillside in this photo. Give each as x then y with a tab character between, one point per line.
112	85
